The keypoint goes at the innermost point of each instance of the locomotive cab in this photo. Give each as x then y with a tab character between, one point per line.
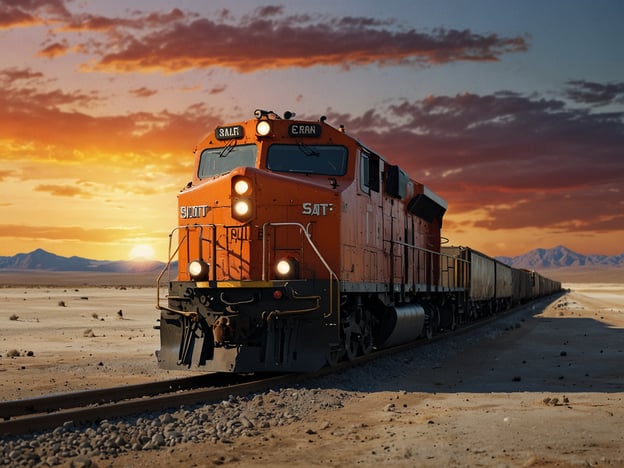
257	249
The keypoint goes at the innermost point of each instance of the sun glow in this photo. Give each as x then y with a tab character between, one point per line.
142	252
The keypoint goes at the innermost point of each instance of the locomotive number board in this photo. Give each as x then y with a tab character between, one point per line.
304	130
229	133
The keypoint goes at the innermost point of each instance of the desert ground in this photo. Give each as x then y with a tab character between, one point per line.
546	390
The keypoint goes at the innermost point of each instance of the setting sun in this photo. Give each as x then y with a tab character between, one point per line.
142	252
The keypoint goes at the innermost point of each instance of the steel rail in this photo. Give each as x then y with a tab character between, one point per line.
61	401
39	414
42	413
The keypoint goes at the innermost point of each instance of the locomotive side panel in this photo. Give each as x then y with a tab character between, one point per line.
390	230
364	260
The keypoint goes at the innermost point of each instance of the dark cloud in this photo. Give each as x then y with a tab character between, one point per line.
10	75
523	161
595	94
282	43
267	38
143	92
217	90
596	209
22	92
137	20
30	12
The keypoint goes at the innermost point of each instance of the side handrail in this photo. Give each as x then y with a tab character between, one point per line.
440	255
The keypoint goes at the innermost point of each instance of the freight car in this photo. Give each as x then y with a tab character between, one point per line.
298	246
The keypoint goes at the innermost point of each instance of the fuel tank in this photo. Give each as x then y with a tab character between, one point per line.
401	324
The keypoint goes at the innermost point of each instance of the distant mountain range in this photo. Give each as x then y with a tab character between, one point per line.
42	260
538	259
561	257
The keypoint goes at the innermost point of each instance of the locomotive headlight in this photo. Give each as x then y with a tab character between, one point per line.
287	268
241	186
263	128
283	267
242	202
198	270
241	208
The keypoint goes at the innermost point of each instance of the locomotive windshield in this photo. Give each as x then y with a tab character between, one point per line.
328	160
215	161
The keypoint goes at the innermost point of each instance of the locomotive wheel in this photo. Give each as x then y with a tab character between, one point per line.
358	333
453	325
352	334
334	355
366	327
428	330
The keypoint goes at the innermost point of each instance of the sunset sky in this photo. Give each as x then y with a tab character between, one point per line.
512	111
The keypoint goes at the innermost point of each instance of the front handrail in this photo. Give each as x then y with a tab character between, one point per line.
167	267
332	276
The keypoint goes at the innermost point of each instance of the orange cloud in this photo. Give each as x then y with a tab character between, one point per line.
64	233
57	49
5	174
63	190
45	119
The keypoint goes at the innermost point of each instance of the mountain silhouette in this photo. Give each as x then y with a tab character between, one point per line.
560	257
40	259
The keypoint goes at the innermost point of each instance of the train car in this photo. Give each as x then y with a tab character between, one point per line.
542	286
297	245
521	285
476	272
503	286
490	285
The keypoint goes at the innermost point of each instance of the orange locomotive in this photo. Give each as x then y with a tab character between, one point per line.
298	246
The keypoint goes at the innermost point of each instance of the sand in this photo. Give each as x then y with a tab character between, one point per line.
547	392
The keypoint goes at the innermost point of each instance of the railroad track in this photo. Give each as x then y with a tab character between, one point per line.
47	412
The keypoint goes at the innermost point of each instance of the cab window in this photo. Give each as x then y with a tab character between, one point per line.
369	172
215	161
328	160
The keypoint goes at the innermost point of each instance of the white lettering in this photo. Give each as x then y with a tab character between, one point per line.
310	130
194	211
317	209
228	133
